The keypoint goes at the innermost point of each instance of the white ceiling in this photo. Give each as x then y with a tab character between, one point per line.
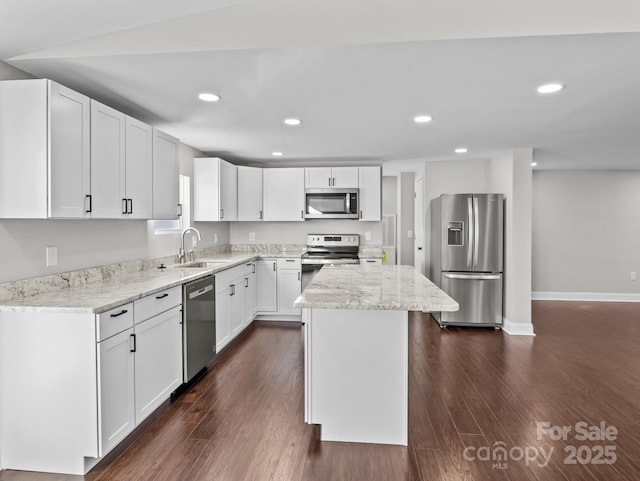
355	72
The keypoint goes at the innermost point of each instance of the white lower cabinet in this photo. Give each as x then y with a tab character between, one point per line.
116	400
250	305
158	360
140	366
235	294
266	282
289	285
223	316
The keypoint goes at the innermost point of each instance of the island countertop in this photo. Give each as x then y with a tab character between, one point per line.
374	287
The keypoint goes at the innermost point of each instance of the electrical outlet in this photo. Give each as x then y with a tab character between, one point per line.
410	234
632	276
51	256
252	236
194	241
215	238
367	235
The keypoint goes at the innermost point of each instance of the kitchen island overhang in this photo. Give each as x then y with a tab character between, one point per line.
355	324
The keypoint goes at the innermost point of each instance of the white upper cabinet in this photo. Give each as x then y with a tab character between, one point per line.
370	194
215	184
139	169
107	162
249	193
45	153
283	194
331	177
166	176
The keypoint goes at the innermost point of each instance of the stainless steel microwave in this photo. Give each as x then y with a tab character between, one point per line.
331	204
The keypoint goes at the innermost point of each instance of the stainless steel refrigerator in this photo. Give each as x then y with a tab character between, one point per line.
467	240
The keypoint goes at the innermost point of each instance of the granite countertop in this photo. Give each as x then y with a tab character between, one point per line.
376	287
101	296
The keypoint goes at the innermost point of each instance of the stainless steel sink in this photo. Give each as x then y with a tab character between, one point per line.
200	265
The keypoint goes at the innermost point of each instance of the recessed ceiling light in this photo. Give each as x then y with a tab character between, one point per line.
422	119
550	88
461	150
207	97
533	164
292	121
277	154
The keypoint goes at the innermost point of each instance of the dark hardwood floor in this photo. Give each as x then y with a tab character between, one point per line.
469	389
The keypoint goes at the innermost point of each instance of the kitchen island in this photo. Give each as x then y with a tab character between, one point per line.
355	320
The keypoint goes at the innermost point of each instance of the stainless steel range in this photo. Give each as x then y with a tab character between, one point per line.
323	249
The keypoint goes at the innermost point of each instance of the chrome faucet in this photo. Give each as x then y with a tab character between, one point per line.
181	254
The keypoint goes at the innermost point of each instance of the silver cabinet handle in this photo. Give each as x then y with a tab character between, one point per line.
246	282
222	213
260	215
329	181
233	289
481	277
298	275
125	209
274	266
179	210
302	214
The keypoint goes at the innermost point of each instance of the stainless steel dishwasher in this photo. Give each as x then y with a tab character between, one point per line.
198	325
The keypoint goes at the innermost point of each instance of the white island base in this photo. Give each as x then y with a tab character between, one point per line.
356	374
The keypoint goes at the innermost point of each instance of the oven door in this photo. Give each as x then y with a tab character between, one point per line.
331	204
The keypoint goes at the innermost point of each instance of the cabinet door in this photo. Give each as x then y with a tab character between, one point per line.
249	193
158	362
370	193
236	310
250	298
267	282
283	194
223	315
345	177
139	169
166	176
116	402
107	161
228	188
289	288
318	177
70	155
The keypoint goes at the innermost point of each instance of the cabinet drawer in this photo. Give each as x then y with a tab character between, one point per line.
289	263
371	262
114	321
227	277
154	304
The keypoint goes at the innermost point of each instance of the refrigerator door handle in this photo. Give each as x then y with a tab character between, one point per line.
476	230
481	277
470	230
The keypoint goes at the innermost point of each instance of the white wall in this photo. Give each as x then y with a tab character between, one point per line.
7	72
586	234
296	232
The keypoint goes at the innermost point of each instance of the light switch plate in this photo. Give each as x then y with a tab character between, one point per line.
51	256
367	235
252	236
410	234
215	238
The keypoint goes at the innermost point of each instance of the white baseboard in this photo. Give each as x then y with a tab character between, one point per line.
517	328
585	296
